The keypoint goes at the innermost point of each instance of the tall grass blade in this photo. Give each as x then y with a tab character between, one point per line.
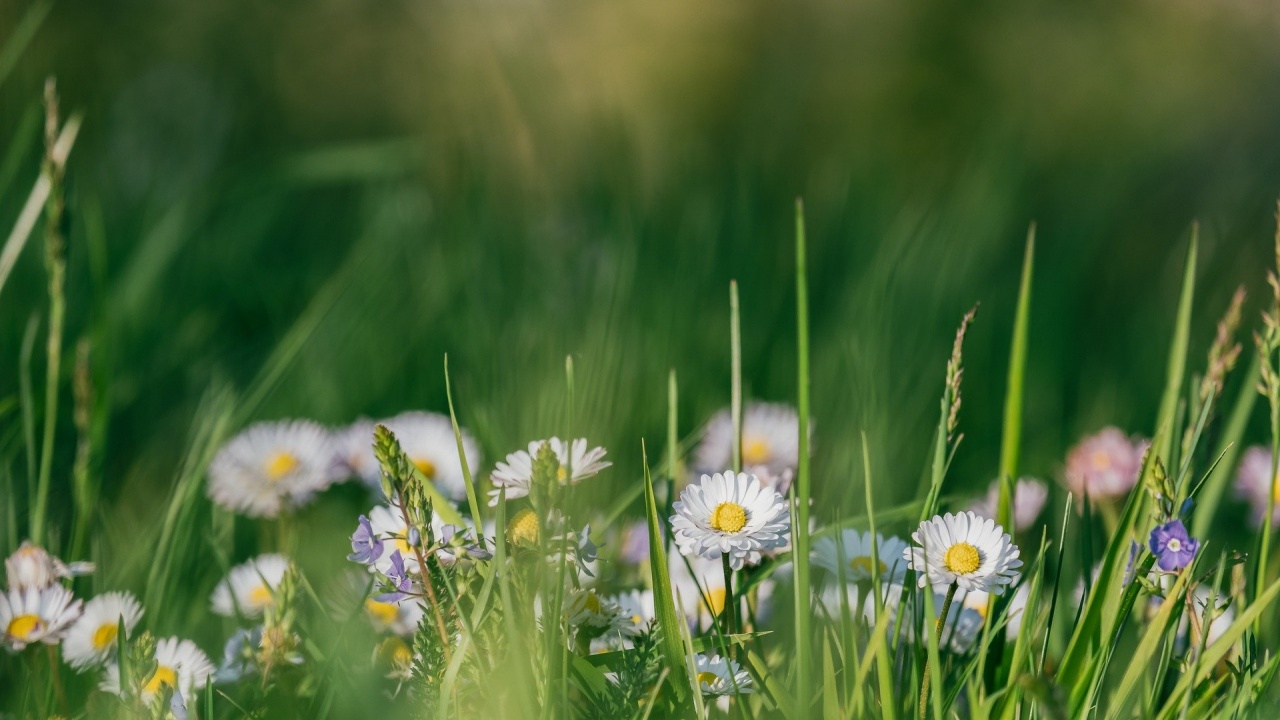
664	608
1228	449
1011	436
472	501
803	492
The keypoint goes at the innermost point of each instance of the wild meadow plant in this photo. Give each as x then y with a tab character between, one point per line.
511	594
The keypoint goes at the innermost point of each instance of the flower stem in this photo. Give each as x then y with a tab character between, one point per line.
730	609
941	623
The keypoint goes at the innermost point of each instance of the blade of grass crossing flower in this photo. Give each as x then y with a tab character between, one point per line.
472	501
1153	637
1228	449
664	608
1011	436
803	492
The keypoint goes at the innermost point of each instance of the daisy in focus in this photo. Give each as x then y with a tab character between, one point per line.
29	616
272	467
855	549
770	443
1029	497
1105	465
728	514
427	439
721	676
180	665
964	550
91	640
1256	485
249	588
577	463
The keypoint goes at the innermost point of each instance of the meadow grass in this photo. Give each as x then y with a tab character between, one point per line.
575	592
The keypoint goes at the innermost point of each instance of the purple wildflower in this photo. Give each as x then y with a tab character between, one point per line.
1174	548
398	578
365	545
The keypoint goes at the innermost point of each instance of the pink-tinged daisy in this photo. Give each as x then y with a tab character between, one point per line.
1105	465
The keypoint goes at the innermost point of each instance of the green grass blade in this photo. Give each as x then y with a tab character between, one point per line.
735	382
21	37
803	492
1153	637
1011	436
1228	448
664	608
472	501
1177	363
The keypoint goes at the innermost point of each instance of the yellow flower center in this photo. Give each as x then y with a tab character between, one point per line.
715	598
591	603
260	596
1275	489
280	464
636	620
707	677
403	546
1100	460
728	517
755	451
523	527
163	675
105	635
23	627
381	613
962	558
562	474
395	653
863	565
426	467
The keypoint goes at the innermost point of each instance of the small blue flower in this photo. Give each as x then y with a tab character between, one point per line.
1174	548
365	546
398	578
1187	506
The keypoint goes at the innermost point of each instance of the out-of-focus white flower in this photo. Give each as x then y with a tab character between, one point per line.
1029	497
1256	485
180	665
250	586
400	618
272	467
1105	465
428	441
770	444
32	567
31	615
721	676
92	639
855	549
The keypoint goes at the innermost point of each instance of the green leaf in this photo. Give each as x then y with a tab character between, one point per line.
802	490
1011	437
1153	637
664	606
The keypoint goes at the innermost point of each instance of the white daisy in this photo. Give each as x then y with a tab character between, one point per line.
427	439
577	463
31	566
586	608
1029	497
978	601
353	448
721	676
972	552
730	514
400	618
31	615
91	640
637	609
855	548
180	665
272	467
394	658
770	443
249	587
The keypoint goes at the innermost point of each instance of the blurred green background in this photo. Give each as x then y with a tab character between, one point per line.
514	182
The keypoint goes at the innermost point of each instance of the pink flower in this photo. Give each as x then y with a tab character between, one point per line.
1029	496
1252	484
1105	465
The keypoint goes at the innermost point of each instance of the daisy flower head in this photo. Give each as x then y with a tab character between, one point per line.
1105	465
91	640
855	549
399	618
970	551
31	566
770	443
585	607
636	609
731	514
353	450
721	676
1029	497
250	587
180	665
427	439
1256	485
272	467
30	615
395	658
515	475
388	530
